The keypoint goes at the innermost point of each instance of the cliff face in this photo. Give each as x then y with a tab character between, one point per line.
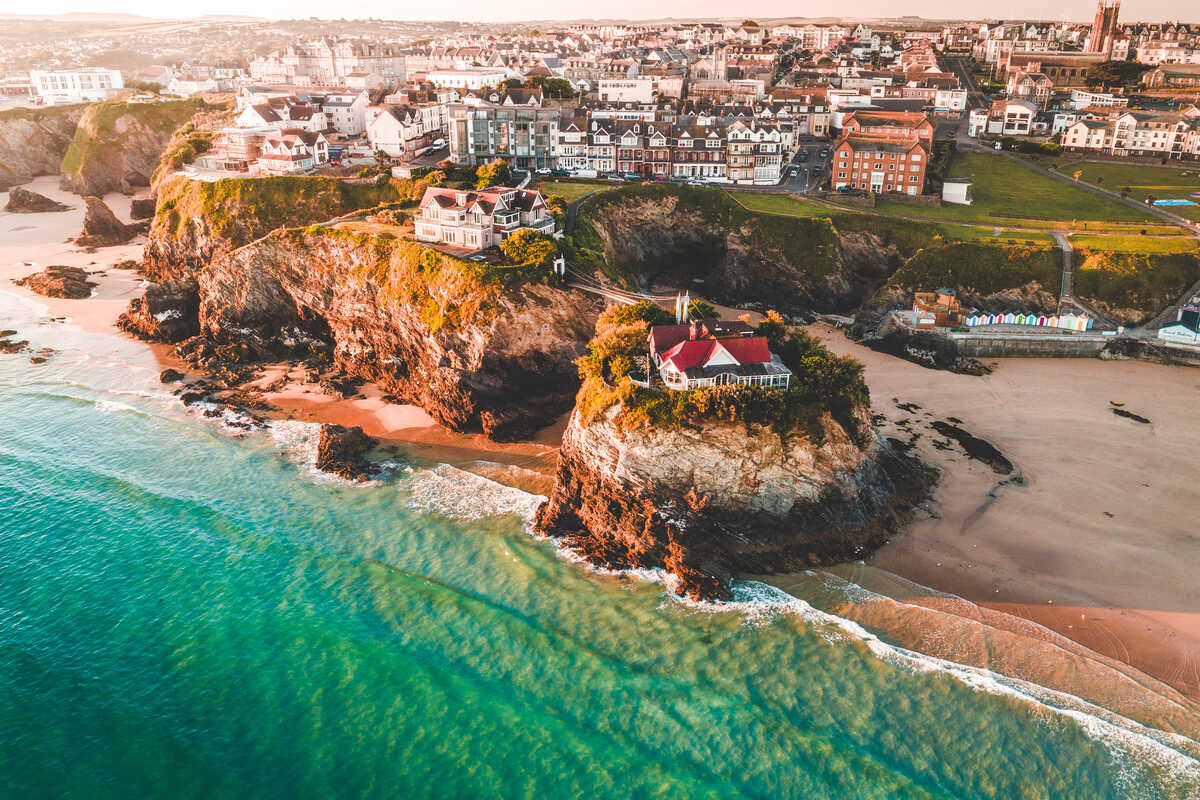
705	503
676	235
117	146
476	347
195	222
33	141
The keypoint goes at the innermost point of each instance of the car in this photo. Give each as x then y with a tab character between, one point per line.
543	171
800	159
560	173
615	178
655	179
631	176
806	138
697	182
824	152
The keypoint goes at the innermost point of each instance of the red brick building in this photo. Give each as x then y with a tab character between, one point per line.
896	124
880	164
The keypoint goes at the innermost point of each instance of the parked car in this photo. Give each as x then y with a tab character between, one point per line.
561	173
655	179
631	176
802	157
616	178
543	171
824	152
697	182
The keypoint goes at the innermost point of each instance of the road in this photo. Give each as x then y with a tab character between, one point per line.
975	98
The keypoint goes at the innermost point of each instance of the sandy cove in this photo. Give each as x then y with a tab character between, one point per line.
31	242
1095	541
1096	544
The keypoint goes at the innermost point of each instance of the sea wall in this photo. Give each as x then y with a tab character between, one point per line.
983	345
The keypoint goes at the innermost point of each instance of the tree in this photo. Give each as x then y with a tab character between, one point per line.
382	158
1114	73
494	173
527	246
698	309
558	88
749	23
511	83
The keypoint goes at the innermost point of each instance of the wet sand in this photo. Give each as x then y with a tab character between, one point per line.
1096	540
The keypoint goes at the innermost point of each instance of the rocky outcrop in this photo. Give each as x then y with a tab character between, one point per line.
709	502
141	208
23	201
702	238
33	141
340	452
117	145
882	331
166	312
101	228
56	281
477	348
197	222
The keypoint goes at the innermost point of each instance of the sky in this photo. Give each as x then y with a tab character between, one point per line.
489	10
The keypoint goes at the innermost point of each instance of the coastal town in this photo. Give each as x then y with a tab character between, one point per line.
635	344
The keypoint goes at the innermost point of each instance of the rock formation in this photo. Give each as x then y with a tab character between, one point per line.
23	201
57	281
476	349
117	145
340	452
166	312
33	141
706	503
101	228
141	208
683	236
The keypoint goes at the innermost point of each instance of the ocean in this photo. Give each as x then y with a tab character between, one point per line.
189	613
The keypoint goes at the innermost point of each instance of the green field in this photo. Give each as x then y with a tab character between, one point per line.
1165	183
1134	244
1005	192
789	205
570	190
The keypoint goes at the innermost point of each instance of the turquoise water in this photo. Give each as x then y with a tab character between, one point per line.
188	614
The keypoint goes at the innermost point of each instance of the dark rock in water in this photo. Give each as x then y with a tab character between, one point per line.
975	447
11	346
101	228
170	376
23	201
141	208
1120	412
340	452
7	333
191	398
57	281
128	263
166	312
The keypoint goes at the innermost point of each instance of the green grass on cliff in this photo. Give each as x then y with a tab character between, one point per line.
97	134
1146	282
823	384
448	291
243	209
978	268
39	114
807	244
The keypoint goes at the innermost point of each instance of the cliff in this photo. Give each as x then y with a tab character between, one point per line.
197	221
710	483
117	145
34	140
683	236
478	346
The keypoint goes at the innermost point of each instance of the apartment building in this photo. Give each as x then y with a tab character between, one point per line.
525	137
880	164
1137	133
87	85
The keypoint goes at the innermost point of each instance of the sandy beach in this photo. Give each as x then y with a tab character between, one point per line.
1095	539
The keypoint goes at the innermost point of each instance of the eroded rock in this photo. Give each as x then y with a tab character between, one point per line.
340	451
58	281
23	201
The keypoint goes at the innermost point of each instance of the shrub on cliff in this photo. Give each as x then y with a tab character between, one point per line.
979	268
98	132
493	173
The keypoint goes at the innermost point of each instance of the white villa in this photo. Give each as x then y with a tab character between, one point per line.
477	219
714	353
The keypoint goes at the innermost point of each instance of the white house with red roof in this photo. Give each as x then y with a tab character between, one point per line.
477	219
714	353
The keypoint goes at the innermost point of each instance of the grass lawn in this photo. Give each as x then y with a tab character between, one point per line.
570	190
1006	192
1134	244
1166	183
791	206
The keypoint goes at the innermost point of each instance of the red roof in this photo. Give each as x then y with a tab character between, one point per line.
697	352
